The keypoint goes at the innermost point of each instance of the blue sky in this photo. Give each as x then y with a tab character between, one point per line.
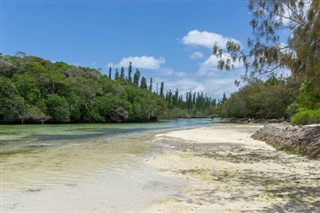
170	41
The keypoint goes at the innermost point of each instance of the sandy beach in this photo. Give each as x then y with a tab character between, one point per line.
227	171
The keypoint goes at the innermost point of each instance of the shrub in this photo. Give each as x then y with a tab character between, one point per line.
305	117
58	108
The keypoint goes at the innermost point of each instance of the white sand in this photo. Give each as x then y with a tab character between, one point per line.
241	175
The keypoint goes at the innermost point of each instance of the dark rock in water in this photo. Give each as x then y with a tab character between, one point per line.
304	140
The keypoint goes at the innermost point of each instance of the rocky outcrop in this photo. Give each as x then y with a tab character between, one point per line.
304	140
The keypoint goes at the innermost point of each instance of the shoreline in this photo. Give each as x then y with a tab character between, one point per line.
227	171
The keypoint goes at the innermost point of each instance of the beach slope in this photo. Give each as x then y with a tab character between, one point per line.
227	171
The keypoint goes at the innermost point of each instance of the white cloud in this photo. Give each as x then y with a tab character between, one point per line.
170	71
216	87
214	84
143	62
181	74
206	39
211	64
167	71
196	55
185	85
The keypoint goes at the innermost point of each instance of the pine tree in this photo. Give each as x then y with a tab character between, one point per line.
161	89
117	75
224	98
143	84
194	98
110	72
136	77
157	89
168	98
130	72
122	75
150	85
175	98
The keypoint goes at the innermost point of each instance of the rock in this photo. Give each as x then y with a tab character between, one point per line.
304	140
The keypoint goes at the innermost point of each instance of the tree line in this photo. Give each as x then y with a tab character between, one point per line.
35	90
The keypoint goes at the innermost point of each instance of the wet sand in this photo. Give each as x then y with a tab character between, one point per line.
227	171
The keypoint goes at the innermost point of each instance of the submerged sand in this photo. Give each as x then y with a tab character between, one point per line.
227	171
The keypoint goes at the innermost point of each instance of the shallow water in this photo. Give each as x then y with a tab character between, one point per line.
84	167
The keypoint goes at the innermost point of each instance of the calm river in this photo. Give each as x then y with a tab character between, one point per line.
84	167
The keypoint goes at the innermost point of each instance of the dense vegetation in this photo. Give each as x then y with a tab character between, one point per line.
267	54
306	116
272	99
34	90
259	99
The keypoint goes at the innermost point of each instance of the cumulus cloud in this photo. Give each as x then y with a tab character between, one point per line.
143	62
185	85
196	55
212	62
215	86
206	39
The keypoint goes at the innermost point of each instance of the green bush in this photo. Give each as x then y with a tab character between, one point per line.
305	117
58	108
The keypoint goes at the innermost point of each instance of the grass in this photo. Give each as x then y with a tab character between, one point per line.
291	152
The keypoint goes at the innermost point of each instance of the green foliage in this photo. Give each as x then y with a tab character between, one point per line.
130	72
111	108
110	73
150	85
141	109
291	152
122	75
307	99
162	89
117	75
143	83
177	113
258	99
292	109
12	105
305	109
58	108
136	77
306	116
35	90
195	104
29	91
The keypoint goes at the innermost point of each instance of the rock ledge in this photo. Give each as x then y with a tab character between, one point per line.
304	140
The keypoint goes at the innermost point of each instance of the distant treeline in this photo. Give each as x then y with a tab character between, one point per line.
34	90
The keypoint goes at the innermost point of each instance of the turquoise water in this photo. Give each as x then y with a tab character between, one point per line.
84	167
16	138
